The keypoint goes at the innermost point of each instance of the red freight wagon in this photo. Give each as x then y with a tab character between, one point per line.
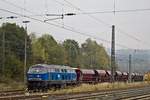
86	75
132	76
118	76
137	77
102	75
141	77
108	78
125	76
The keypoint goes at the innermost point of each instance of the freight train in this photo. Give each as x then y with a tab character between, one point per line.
43	76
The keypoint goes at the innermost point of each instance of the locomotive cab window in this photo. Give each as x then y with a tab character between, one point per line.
62	70
37	70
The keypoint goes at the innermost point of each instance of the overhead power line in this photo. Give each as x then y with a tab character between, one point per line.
75	31
57	1
133	37
22	8
93	17
99	12
71	5
114	11
35	14
71	28
83	12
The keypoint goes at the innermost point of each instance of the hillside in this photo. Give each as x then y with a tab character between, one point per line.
140	60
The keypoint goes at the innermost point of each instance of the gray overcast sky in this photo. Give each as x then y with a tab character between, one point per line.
135	24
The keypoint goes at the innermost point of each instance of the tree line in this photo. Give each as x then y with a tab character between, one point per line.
45	49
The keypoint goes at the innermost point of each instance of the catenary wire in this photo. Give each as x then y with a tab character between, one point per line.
114	11
12	4
77	9
30	11
84	34
93	17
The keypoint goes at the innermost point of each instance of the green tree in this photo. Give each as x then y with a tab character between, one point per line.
72	51
94	55
45	49
14	39
13	68
14	49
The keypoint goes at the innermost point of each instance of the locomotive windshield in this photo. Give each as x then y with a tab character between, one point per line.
36	70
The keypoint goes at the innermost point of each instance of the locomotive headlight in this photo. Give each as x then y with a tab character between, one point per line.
58	75
38	76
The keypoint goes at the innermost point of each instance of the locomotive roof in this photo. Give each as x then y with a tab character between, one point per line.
51	66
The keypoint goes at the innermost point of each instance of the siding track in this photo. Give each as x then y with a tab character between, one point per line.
139	93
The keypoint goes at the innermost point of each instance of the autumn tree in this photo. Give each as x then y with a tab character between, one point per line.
72	51
45	49
94	55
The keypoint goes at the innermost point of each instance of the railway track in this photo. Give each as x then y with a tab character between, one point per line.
141	93
11	92
20	95
129	94
143	97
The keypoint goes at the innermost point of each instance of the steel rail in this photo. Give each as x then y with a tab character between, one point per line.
116	95
104	95
11	92
143	97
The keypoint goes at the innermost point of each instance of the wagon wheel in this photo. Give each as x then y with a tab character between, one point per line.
96	80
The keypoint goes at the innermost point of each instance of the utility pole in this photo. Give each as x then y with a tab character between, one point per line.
25	51
130	70
113	54
3	46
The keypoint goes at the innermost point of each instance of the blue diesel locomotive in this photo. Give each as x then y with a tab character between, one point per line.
43	76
